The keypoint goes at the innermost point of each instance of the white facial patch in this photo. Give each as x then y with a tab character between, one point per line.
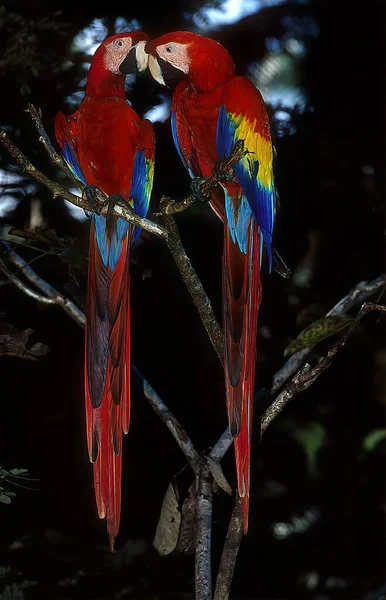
141	56
155	70
176	55
116	52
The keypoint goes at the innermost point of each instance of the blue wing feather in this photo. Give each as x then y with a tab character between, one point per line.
141	187
261	199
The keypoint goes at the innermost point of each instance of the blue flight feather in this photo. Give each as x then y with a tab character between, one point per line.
175	139
261	200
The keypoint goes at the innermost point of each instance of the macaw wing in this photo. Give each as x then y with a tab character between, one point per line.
243	116
143	173
65	132
182	136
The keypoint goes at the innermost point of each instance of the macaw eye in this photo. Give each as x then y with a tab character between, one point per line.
168	49
118	43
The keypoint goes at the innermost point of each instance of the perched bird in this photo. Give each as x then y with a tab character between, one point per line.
212	110
105	144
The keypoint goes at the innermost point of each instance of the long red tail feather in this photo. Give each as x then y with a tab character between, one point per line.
107	377
241	301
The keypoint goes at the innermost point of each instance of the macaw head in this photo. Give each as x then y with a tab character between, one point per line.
116	57
185	55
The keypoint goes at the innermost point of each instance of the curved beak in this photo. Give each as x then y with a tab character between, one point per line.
136	60
155	70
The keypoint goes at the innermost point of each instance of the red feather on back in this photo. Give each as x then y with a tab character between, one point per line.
101	142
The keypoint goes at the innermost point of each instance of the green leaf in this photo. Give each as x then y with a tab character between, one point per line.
5	499
10	494
316	332
311	437
18	472
373	438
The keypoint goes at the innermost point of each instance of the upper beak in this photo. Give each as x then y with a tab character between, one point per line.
136	59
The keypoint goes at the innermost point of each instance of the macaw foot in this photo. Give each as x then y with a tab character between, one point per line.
224	173
98	205
197	189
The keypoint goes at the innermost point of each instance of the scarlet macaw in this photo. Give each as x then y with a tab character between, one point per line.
105	144
212	109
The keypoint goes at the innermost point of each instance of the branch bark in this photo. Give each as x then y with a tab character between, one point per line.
203	563
194	285
360	293
229	553
301	381
307	376
124	212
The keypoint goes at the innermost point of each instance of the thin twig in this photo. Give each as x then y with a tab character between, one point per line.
125	212
194	285
224	167
167	417
51	295
359	294
36	115
229	553
21	286
307	376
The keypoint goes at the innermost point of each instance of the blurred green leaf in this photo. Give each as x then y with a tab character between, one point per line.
372	439
311	437
5	499
18	471
316	332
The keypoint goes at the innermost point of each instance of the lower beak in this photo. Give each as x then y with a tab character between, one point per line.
136	60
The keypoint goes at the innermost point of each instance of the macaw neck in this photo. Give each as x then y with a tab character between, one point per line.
211	73
102	83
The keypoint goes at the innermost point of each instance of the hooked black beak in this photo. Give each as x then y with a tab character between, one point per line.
129	64
171	75
136	59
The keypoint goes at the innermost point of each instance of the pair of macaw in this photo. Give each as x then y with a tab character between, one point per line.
107	145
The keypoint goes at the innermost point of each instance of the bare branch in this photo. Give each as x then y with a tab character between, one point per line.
229	553
125	212
23	287
203	568
359	294
192	282
222	445
45	140
307	376
167	417
49	294
224	167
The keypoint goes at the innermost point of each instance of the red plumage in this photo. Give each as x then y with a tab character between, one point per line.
100	142
211	109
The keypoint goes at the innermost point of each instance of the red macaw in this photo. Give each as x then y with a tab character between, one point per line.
106	144
213	108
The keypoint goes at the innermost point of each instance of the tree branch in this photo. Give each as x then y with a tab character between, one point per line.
167	417
50	295
203	563
36	115
307	376
229	553
359	294
194	285
124	212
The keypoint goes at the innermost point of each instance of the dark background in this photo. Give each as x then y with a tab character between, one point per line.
318	505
